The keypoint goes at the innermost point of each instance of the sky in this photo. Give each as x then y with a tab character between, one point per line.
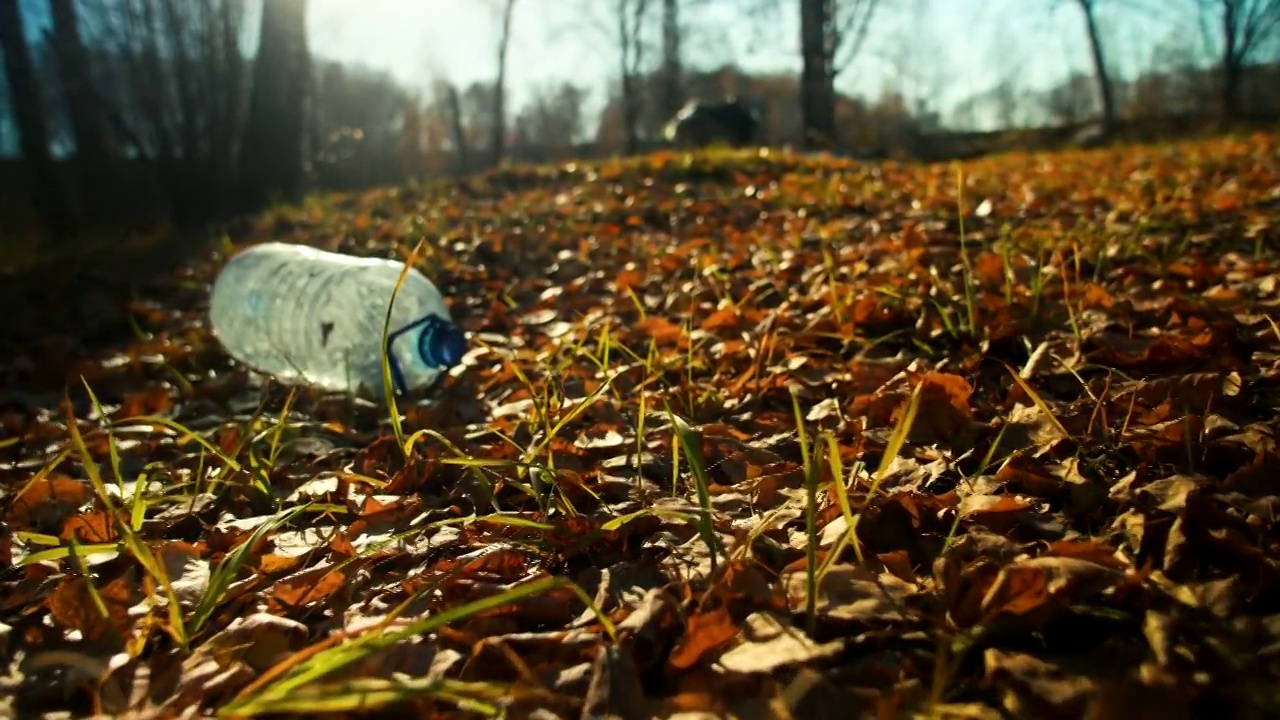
945	49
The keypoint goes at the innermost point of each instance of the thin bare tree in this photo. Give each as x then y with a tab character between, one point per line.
621	24
669	85
179	20
33	133
83	106
832	32
223	87
498	139
169	80
1245	28
630	23
271	155
672	91
1106	92
461	145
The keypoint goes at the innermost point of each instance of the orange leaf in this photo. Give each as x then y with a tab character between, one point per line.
90	527
722	319
308	588
56	496
660	329
703	634
72	607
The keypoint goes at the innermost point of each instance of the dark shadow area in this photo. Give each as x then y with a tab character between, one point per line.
63	311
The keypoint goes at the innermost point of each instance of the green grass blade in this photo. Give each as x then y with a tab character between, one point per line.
1039	401
366	694
897	439
388	388
690	442
482	480
224	575
185	432
810	518
128	538
331	660
112	451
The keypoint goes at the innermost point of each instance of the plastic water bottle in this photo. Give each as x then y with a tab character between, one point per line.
313	317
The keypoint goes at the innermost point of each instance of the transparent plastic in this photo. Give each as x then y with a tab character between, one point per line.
307	316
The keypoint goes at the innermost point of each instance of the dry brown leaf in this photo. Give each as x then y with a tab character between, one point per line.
259	640
187	571
769	644
1169	494
703	634
308	587
853	594
1031	687
72	607
48	503
91	527
997	512
1046	584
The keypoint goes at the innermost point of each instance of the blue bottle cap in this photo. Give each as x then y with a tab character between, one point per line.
442	344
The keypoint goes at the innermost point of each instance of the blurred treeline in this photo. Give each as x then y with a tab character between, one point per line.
133	114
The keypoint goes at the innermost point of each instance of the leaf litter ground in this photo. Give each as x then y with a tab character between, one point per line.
748	435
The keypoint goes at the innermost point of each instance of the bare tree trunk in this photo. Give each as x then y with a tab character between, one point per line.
672	93
231	17
498	140
817	105
1247	26
190	186
630	19
271	161
1099	66
178	26
411	140
222	88
461	149
832	33
87	125
147	81
1232	60
33	135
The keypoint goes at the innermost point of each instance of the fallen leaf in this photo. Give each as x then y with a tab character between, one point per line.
1045	584
704	633
769	644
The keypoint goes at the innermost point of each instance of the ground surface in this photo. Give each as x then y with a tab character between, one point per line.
738	436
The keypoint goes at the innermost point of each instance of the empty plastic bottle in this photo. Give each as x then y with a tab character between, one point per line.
308	316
